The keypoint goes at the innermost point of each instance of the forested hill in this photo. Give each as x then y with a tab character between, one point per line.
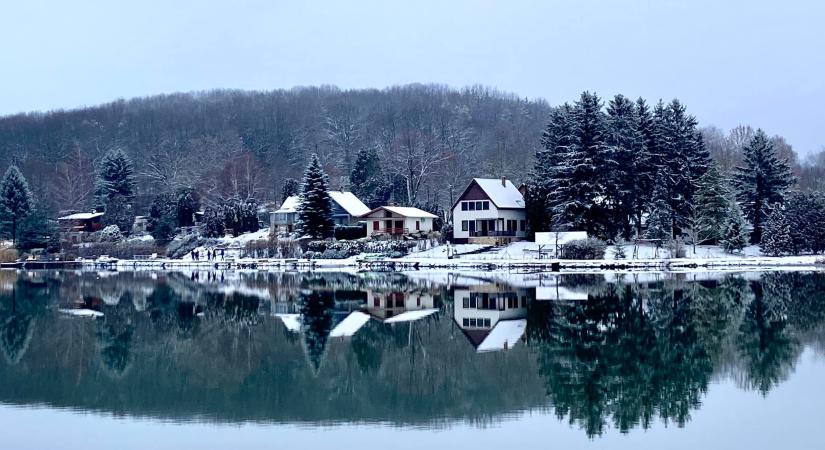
430	141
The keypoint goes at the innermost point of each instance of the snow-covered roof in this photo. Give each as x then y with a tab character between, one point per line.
349	202
81	216
346	200
350	325
559	293
504	195
410	316
404	211
290	205
292	322
503	336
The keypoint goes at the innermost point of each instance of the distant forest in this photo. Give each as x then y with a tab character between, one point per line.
429	139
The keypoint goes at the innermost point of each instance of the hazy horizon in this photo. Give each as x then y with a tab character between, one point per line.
758	63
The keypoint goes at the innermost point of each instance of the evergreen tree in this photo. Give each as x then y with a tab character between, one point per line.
367	179
545	176
623	157
711	207
660	218
315	206
34	231
115	177
16	202
645	161
761	181
119	212
290	188
188	203
776	234
213	223
163	217
735	237
579	196
806	211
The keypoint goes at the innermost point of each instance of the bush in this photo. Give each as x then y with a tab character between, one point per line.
350	232
121	250
110	234
183	246
590	248
8	255
346	249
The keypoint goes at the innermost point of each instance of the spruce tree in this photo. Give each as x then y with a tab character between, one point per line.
16	202
580	192
711	206
735	237
623	157
188	203
660	218
115	177
776	234
163	217
546	178
645	161
366	179
761	181
315	206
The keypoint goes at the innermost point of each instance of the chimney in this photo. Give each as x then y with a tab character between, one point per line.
503	181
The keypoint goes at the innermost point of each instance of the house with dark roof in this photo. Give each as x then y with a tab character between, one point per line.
489	210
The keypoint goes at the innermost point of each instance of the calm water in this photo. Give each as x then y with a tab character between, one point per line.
419	360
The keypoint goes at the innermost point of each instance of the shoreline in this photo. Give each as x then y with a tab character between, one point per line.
412	263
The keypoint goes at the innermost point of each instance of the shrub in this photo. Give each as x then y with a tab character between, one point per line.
183	246
110	234
8	255
590	248
350	232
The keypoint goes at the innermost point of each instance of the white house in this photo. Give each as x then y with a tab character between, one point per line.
398	220
489	209
490	318
346	210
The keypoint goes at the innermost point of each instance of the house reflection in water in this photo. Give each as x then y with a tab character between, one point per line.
492	317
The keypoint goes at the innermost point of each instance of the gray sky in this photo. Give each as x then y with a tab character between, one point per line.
754	62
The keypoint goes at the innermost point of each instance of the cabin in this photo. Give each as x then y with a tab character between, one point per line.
489	211
81	222
398	221
346	210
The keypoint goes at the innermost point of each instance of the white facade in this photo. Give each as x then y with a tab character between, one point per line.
485	211
393	220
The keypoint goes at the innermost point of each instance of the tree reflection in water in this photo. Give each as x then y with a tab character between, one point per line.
262	347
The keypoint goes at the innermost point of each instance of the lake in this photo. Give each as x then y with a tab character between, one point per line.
208	360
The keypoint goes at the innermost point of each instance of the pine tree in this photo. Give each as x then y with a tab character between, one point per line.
16	202
115	177
776	235
761	181
660	218
735	237
213	223
315	206
645	161
290	188
34	231
119	212
163	217
711	206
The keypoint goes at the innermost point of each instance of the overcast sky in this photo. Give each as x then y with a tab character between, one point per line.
754	62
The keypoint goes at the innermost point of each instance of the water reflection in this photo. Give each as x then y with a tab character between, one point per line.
427	349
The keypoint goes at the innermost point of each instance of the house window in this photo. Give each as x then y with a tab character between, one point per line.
464	225
376	302
523	225
464	206
465	322
485	206
487	323
472	206
417	225
472	302
479	206
466	302
472	322
374	225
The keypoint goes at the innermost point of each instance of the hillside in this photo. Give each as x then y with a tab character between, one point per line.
430	139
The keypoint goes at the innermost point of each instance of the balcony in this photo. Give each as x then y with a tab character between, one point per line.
392	231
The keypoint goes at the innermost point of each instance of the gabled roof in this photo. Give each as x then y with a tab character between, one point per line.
503	336
81	216
349	202
403	211
350	325
346	200
505	196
